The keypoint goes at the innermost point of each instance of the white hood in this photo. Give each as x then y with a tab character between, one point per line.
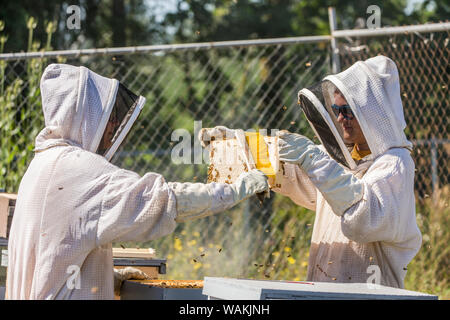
372	90
77	104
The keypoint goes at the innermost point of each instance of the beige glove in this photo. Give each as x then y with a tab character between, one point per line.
198	200
206	135
128	273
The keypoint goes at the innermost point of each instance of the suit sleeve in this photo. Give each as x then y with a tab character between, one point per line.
136	208
297	186
386	211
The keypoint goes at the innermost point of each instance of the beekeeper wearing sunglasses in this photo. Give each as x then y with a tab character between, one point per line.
73	203
359	181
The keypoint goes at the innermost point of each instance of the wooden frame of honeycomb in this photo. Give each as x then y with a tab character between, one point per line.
227	162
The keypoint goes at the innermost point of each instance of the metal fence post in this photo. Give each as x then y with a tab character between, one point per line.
434	173
336	66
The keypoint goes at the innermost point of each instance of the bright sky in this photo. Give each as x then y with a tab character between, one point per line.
161	7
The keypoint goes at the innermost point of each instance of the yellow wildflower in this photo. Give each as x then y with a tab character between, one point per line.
291	260
177	245
197	266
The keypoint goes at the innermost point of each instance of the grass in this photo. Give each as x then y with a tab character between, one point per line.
428	271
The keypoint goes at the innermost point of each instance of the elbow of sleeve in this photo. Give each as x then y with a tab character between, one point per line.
340	189
353	232
354	224
342	199
363	226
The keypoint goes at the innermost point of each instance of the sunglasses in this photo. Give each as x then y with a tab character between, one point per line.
345	110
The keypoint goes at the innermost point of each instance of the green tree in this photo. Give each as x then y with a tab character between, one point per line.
104	23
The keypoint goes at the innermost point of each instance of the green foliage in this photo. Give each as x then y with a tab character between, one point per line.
104	23
213	20
21	109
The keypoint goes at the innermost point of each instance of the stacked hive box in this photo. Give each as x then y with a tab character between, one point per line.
163	290
139	258
7	205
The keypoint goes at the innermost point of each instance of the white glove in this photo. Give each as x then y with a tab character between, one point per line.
206	135
341	189
128	273
250	183
293	148
198	200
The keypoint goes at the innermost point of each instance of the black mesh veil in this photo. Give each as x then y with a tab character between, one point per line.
313	101
123	111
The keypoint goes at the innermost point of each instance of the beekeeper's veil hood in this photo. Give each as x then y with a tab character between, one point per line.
372	91
84	109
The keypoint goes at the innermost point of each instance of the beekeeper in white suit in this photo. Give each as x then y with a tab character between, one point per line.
360	181
73	203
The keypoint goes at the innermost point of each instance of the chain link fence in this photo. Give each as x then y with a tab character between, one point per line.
423	63
239	86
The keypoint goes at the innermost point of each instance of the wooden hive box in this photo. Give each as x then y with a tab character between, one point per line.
7	205
139	258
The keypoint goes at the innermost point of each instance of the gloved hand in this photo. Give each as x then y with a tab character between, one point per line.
206	135
250	183
128	273
341	189
293	148
198	200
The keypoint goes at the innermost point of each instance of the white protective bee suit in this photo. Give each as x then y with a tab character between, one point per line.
365	225
73	203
